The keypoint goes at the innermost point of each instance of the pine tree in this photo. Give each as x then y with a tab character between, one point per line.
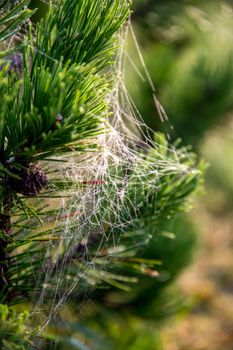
81	194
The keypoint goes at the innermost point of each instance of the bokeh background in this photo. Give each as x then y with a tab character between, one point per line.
188	50
187	47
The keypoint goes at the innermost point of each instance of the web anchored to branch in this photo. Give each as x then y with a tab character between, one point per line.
106	198
100	194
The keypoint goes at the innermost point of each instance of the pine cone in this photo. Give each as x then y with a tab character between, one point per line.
32	181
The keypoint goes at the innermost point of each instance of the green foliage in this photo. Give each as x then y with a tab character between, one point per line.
54	111
29	129
12	16
81	32
14	332
49	87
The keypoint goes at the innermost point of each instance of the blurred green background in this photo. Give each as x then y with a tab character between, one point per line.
188	51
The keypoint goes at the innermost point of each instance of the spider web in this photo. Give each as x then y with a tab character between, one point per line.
93	199
99	206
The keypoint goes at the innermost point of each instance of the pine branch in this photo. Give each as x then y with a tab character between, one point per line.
13	14
64	227
80	32
55	109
